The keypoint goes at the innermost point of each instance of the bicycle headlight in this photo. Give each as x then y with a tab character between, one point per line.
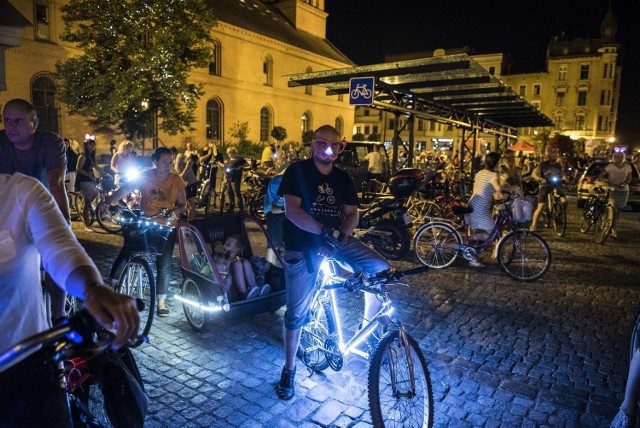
132	174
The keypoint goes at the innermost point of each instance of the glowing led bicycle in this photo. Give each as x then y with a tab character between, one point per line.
400	392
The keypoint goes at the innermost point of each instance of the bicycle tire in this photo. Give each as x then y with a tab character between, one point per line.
398	243
196	317
635	337
315	336
256	207
588	215
137	281
524	255
602	228
108	220
95	404
391	400
436	245
79	203
559	219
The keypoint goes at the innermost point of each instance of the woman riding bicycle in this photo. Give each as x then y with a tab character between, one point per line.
86	179
485	185
121	160
159	189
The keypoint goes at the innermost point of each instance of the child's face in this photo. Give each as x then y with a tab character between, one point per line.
231	246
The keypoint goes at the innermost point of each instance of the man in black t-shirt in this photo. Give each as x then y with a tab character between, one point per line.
320	200
233	169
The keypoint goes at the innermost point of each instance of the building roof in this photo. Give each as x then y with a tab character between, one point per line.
263	19
451	89
10	17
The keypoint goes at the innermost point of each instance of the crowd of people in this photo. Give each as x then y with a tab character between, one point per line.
35	229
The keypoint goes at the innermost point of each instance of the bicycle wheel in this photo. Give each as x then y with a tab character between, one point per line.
559	218
95	404
395	243
79	203
108	220
436	245
137	281
256	207
635	337
315	337
400	392
524	255
602	227
587	217
196	317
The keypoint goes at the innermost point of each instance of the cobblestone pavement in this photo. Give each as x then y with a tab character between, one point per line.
501	353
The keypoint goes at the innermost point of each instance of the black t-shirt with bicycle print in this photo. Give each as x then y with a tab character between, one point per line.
322	197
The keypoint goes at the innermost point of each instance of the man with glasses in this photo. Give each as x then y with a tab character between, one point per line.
37	154
320	203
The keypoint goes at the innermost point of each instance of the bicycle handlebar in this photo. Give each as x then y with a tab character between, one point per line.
79	328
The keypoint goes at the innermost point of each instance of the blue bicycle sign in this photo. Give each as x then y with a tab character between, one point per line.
361	90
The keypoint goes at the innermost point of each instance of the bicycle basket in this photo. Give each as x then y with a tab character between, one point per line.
148	237
521	210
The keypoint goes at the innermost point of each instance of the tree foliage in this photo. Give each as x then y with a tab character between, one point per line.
135	61
307	136
279	133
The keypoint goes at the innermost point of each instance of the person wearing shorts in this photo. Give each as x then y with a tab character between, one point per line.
320	201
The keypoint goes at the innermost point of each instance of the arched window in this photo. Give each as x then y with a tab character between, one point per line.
265	123
307	89
43	97
339	125
306	122
267	70
214	120
216	59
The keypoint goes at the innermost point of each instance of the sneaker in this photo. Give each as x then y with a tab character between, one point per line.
163	312
286	387
622	420
476	263
253	293
265	289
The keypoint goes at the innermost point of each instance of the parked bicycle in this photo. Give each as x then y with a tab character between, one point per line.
400	391
79	349
146	238
598	213
554	213
522	254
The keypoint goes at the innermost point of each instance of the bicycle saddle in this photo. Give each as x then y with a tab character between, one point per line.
460	210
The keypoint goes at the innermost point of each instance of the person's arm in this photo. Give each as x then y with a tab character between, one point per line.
495	182
298	216
350	221
72	269
114	163
181	202
535	174
59	192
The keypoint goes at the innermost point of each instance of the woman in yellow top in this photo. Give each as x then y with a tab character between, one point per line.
159	189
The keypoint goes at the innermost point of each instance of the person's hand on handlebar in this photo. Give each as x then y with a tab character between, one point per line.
113	311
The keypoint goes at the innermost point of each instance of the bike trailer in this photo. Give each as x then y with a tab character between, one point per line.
202	292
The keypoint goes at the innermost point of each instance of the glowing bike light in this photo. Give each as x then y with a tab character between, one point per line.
132	173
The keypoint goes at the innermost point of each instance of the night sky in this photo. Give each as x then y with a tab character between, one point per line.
365	33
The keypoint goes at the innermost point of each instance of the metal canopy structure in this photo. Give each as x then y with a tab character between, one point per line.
451	89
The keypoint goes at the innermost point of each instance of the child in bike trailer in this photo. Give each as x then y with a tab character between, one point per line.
237	270
320	204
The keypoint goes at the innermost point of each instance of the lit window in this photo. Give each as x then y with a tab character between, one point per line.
562	72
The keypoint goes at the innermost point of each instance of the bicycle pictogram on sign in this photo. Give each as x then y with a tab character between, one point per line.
361	90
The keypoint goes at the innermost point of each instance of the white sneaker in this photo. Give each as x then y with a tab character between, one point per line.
265	289
253	293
